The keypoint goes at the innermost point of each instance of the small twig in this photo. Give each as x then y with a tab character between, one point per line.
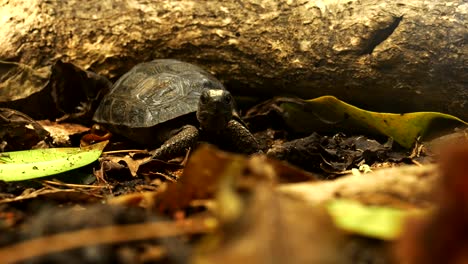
103	235
187	154
72	185
416	163
124	151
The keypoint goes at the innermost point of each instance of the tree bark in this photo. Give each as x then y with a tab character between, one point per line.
382	55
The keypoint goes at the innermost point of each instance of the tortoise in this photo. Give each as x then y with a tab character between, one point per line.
167	103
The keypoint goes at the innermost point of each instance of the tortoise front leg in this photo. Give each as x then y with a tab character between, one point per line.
241	138
176	145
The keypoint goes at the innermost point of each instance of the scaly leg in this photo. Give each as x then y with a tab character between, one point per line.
241	138
176	145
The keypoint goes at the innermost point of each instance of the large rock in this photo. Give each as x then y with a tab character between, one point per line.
382	55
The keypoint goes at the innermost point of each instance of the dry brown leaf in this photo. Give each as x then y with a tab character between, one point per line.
19	131
200	178
272	228
208	165
61	132
132	164
256	225
401	187
443	236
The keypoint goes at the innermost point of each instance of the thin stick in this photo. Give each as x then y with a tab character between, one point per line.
72	185
102	235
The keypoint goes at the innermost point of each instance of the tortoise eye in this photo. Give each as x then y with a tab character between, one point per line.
227	99
204	98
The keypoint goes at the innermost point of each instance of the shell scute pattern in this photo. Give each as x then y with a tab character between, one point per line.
155	92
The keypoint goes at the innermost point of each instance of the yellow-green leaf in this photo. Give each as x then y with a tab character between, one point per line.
371	221
30	164
327	112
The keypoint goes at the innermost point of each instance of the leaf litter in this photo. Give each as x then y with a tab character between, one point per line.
214	206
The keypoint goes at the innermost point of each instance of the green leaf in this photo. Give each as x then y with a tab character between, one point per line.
31	164
327	112
371	221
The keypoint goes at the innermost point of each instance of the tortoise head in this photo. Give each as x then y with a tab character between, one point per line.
215	108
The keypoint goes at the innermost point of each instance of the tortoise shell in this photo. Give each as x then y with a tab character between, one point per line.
154	92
